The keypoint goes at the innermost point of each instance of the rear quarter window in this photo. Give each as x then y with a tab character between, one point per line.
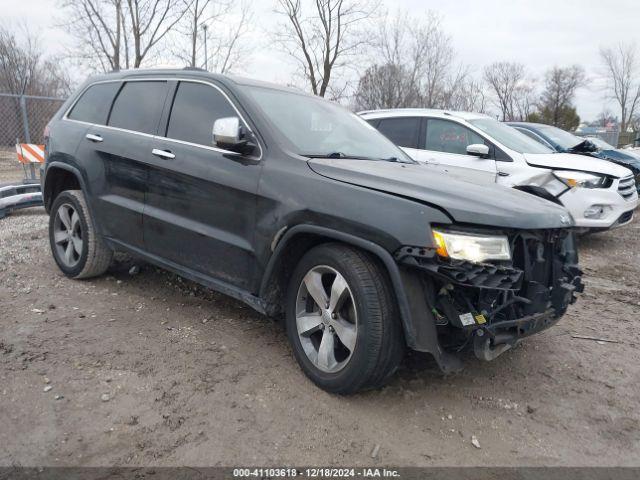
94	104
138	106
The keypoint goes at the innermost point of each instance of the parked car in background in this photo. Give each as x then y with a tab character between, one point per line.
477	148
300	209
565	142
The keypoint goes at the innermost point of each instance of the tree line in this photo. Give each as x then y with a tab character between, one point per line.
347	50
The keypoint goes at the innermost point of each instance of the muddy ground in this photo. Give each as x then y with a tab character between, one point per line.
148	369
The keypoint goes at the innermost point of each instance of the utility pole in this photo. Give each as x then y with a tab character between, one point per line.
206	56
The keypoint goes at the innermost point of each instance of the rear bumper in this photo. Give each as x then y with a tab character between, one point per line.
15	197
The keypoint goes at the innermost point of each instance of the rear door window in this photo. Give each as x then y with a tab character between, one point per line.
138	106
94	104
403	131
196	107
450	137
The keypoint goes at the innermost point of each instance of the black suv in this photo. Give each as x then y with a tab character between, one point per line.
302	210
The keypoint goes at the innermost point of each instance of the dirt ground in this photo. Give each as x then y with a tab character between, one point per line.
149	369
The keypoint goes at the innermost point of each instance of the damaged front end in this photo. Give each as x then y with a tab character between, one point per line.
489	306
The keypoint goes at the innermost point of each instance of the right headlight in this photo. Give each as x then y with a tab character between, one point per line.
580	179
471	247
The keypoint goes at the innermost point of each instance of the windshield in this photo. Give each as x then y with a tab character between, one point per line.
509	136
601	144
318	128
559	137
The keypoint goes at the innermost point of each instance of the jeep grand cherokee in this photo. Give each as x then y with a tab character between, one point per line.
302	210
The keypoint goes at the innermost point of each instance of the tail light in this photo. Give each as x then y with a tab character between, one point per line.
45	135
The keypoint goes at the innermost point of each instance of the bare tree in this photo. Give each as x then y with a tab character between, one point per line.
423	50
100	32
386	86
503	79
227	48
115	34
23	69
621	71
416	66
323	39
559	90
524	100
198	14
150	22
604	118
466	94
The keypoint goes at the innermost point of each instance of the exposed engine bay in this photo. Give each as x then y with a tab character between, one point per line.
490	307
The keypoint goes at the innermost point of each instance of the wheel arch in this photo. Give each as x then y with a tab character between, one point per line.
59	177
296	241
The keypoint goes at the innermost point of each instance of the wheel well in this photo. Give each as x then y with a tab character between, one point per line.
58	180
275	288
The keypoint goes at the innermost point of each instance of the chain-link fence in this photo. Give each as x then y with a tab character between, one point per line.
610	137
23	118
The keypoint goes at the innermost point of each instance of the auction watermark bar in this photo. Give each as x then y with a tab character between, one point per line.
319	473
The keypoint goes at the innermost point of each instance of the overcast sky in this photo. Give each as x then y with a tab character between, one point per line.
539	34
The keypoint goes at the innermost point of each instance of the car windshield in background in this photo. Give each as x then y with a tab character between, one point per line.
318	128
559	137
509	136
601	144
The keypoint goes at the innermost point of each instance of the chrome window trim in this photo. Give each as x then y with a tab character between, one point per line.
159	137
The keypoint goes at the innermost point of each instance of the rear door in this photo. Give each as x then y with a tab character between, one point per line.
201	200
444	145
115	155
406	132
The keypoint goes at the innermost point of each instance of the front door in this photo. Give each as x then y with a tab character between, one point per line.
200	203
444	147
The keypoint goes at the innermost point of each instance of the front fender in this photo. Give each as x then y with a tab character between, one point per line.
417	321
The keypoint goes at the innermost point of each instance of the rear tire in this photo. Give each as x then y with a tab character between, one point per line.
365	334
77	249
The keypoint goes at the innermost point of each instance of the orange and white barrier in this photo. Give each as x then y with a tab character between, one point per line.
30	153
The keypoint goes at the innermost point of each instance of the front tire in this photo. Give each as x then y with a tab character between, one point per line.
342	320
76	247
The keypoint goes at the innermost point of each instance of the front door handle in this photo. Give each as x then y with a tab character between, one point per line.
166	154
93	138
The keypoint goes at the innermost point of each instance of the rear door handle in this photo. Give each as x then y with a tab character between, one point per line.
93	138
166	154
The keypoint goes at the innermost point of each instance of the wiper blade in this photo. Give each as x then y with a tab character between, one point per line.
337	155
354	157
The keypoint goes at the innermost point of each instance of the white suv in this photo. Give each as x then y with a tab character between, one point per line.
477	148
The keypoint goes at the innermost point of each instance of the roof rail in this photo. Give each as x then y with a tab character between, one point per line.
197	69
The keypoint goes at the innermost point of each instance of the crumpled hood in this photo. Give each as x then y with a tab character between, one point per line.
621	157
568	161
465	202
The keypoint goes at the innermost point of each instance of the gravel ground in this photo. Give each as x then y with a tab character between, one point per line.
150	369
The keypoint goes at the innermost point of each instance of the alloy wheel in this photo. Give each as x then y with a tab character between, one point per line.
67	234
326	319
